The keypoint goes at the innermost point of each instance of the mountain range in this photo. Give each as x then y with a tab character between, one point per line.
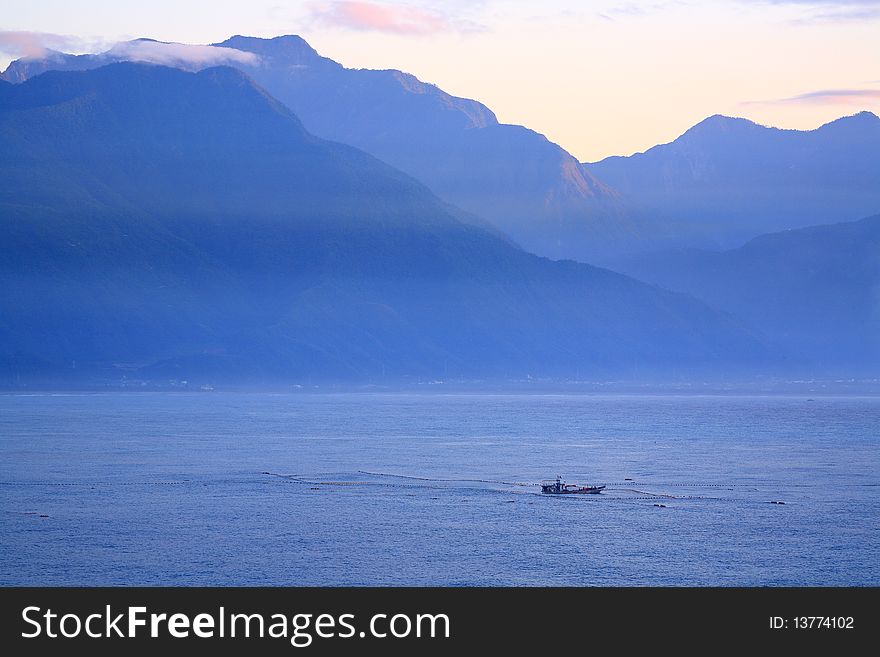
525	185
159	223
282	217
721	183
816	290
727	180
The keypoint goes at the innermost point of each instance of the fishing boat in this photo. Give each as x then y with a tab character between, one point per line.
559	487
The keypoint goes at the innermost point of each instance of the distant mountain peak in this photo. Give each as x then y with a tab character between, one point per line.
857	121
284	40
293	51
721	123
723	119
866	115
290	48
728	179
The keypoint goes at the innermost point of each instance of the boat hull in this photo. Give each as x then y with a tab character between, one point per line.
586	490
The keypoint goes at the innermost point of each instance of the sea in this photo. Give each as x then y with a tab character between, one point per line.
306	488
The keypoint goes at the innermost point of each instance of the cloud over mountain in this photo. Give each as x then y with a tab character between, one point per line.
174	54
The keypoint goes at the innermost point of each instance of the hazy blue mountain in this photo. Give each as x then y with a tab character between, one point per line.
166	223
528	187
726	180
816	290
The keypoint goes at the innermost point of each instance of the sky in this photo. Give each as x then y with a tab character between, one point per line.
605	77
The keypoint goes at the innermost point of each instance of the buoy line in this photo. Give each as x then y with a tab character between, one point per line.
639	493
482	481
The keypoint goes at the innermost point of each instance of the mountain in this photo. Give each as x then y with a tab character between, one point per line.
178	55
525	185
166	224
815	290
727	180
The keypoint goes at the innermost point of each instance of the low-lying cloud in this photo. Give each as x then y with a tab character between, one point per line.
175	54
36	44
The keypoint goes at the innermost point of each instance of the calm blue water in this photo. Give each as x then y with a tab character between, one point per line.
159	488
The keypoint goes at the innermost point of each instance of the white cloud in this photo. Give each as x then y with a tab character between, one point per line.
177	54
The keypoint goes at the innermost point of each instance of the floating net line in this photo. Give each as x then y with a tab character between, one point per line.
612	491
617	490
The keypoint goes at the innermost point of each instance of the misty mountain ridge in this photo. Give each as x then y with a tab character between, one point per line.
815	289
718	184
166	224
722	182
528	187
296	55
727	179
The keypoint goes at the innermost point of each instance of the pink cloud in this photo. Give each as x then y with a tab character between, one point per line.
370	16
842	96
34	44
826	97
